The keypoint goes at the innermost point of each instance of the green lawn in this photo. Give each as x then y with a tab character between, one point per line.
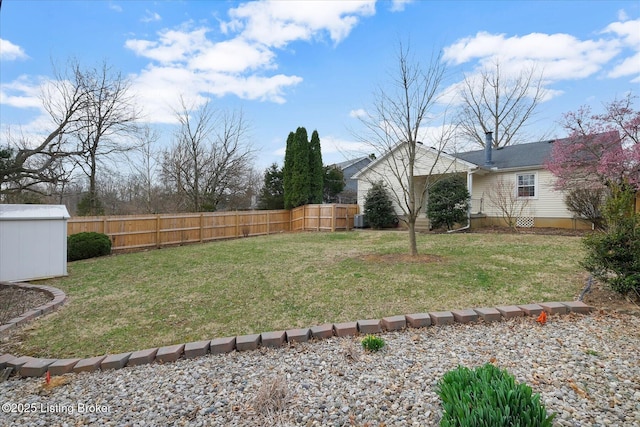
175	295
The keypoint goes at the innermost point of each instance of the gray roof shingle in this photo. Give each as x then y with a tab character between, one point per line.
513	156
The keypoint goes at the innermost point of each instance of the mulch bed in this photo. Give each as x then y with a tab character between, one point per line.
16	301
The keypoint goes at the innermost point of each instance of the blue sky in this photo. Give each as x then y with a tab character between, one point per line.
311	63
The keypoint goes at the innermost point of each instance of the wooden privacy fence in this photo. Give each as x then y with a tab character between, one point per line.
323	217
128	232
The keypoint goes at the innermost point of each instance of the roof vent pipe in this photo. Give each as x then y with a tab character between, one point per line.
488	145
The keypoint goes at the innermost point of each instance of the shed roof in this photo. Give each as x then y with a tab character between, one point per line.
18	212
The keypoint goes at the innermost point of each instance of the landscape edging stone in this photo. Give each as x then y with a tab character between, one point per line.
253	341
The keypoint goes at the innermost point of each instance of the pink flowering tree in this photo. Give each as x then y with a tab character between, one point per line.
602	149
602	154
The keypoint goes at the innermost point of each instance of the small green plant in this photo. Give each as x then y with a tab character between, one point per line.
87	245
488	396
592	352
372	343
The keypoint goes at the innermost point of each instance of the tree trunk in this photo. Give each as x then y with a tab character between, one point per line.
413	245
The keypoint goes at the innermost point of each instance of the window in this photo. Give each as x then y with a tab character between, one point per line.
526	185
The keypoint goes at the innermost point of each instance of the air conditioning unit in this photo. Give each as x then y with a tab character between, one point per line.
359	221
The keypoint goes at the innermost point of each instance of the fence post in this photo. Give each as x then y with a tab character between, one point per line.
268	224
105	225
319	216
237	225
201	225
333	217
158	244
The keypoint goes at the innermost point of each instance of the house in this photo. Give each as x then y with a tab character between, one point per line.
349	168
508	183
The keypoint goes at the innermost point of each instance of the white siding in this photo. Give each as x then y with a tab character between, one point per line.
392	170
548	203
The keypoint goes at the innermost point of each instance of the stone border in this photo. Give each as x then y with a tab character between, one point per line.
26	366
59	298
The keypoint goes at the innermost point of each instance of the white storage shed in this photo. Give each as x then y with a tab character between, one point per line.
33	242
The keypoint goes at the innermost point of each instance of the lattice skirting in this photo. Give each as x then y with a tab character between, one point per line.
525	221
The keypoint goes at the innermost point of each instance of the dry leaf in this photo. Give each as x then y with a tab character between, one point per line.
55	382
577	389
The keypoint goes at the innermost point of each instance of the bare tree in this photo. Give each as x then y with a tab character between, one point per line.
28	162
145	167
494	102
394	128
209	155
108	118
503	198
92	113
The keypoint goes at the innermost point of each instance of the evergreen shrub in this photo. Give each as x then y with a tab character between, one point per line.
448	202
613	256
87	245
378	210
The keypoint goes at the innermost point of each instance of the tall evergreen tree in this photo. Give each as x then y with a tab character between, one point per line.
301	178
303	173
316	172
272	193
333	183
287	170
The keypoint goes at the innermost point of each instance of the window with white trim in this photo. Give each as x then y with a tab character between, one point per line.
526	185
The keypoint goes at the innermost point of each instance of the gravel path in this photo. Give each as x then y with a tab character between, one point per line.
587	369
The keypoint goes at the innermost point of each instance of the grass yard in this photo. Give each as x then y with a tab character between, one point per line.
160	297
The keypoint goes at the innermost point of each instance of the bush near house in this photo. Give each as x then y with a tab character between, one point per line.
448	202
613	256
378	209
488	396
87	245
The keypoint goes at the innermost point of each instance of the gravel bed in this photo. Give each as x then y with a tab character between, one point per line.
586	368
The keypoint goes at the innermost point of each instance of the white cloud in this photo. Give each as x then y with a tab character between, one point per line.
560	56
622	15
277	23
335	149
233	56
628	31
629	34
158	88
150	16
187	61
399	5
172	45
356	114
115	7
628	67
10	51
21	93
332	145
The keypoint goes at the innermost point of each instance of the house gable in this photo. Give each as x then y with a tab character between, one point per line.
428	161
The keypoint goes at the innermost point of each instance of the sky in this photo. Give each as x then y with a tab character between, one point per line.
315	64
